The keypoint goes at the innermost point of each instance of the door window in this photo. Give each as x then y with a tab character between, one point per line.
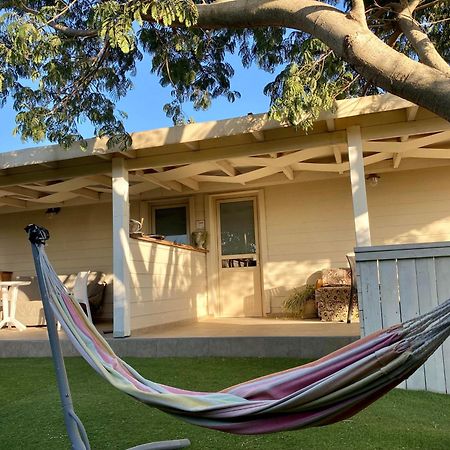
237	234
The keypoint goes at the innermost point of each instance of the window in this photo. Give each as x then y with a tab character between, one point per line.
171	222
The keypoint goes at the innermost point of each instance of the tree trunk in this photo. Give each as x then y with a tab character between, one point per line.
347	37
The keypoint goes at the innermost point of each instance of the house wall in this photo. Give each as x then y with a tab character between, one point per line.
168	284
310	225
80	239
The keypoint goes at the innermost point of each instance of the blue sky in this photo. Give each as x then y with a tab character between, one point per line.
144	105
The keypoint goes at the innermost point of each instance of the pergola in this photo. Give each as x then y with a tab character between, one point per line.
364	135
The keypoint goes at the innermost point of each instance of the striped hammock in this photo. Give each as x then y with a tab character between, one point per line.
330	389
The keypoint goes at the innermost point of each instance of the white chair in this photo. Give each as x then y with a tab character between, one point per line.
80	291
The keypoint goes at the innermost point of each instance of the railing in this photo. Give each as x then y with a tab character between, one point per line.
398	282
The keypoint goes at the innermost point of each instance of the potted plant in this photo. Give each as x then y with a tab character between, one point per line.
301	302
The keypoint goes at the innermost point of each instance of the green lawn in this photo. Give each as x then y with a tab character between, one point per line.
31	418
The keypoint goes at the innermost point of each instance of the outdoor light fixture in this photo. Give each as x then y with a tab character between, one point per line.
373	179
52	212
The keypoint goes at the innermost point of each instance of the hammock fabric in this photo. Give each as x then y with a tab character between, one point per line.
330	389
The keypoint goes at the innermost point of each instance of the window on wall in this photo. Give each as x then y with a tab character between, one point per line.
171	222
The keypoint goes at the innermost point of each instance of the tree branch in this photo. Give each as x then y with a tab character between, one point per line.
420	41
71	32
356	44
429	4
358	12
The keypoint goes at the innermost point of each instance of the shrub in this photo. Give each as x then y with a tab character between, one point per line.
295	302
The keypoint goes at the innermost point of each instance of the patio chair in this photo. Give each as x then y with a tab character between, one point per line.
80	291
330	389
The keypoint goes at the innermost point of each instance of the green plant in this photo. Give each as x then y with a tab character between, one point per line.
295	302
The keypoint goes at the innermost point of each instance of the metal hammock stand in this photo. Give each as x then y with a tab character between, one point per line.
323	392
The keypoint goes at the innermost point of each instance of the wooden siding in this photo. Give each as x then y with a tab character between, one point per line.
168	284
310	225
399	282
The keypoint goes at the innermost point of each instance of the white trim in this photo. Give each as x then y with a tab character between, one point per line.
263	250
213	253
188	203
121	250
357	178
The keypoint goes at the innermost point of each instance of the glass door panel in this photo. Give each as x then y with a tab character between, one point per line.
237	228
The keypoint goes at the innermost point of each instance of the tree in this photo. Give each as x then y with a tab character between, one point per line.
70	60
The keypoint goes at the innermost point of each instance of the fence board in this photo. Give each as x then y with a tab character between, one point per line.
390	306
409	304
443	293
390	300
370	297
426	288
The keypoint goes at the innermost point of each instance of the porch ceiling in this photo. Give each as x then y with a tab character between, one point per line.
246	151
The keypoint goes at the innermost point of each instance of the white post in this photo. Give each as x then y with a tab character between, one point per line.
359	195
121	250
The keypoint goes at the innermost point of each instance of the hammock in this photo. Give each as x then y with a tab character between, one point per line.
323	392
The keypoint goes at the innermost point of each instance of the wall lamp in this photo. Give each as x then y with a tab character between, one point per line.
373	179
52	212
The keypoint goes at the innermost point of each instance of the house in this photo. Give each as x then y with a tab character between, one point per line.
278	204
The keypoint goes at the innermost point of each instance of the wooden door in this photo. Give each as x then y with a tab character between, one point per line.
239	266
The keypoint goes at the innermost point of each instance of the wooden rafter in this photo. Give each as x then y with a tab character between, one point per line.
226	167
168	185
9	201
22	191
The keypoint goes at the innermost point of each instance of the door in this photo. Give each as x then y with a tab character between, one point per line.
239	266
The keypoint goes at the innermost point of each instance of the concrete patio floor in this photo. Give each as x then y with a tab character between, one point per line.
223	337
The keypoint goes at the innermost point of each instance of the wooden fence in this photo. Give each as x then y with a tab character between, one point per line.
399	282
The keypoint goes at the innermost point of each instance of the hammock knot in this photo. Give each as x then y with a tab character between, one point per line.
37	234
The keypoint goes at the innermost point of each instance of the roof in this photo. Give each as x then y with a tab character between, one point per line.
244	151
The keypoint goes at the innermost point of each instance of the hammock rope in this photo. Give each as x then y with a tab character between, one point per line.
322	392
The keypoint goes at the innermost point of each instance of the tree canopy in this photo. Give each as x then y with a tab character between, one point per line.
65	61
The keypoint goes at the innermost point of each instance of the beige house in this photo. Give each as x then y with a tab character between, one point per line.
277	205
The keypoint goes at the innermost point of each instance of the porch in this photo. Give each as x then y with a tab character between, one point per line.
221	337
305	196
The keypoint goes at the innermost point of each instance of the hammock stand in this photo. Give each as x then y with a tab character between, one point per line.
323	392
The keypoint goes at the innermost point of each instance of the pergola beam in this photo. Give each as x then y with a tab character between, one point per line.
226	167
168	185
8	201
22	191
103	180
87	193
54	174
190	183
288	171
258	135
194	145
255	148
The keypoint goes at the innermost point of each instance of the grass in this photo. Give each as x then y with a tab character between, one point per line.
31	417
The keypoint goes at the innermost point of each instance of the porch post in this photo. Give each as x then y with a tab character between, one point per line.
359	195
121	250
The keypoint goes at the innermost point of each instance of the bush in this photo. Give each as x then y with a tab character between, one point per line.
295	302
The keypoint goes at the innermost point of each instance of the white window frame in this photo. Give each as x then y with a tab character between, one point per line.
187	203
